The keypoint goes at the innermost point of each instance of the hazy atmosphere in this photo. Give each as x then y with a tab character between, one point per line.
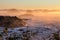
29	19
30	4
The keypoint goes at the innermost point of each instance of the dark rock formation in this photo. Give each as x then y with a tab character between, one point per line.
11	21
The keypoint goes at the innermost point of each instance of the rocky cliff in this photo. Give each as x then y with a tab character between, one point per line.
11	21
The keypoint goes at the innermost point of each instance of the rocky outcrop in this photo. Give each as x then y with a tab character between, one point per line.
11	21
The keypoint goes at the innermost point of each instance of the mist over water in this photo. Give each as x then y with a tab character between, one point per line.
41	24
49	19
38	19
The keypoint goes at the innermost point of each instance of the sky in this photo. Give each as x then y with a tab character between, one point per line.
30	4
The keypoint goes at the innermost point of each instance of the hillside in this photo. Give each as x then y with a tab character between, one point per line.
11	21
